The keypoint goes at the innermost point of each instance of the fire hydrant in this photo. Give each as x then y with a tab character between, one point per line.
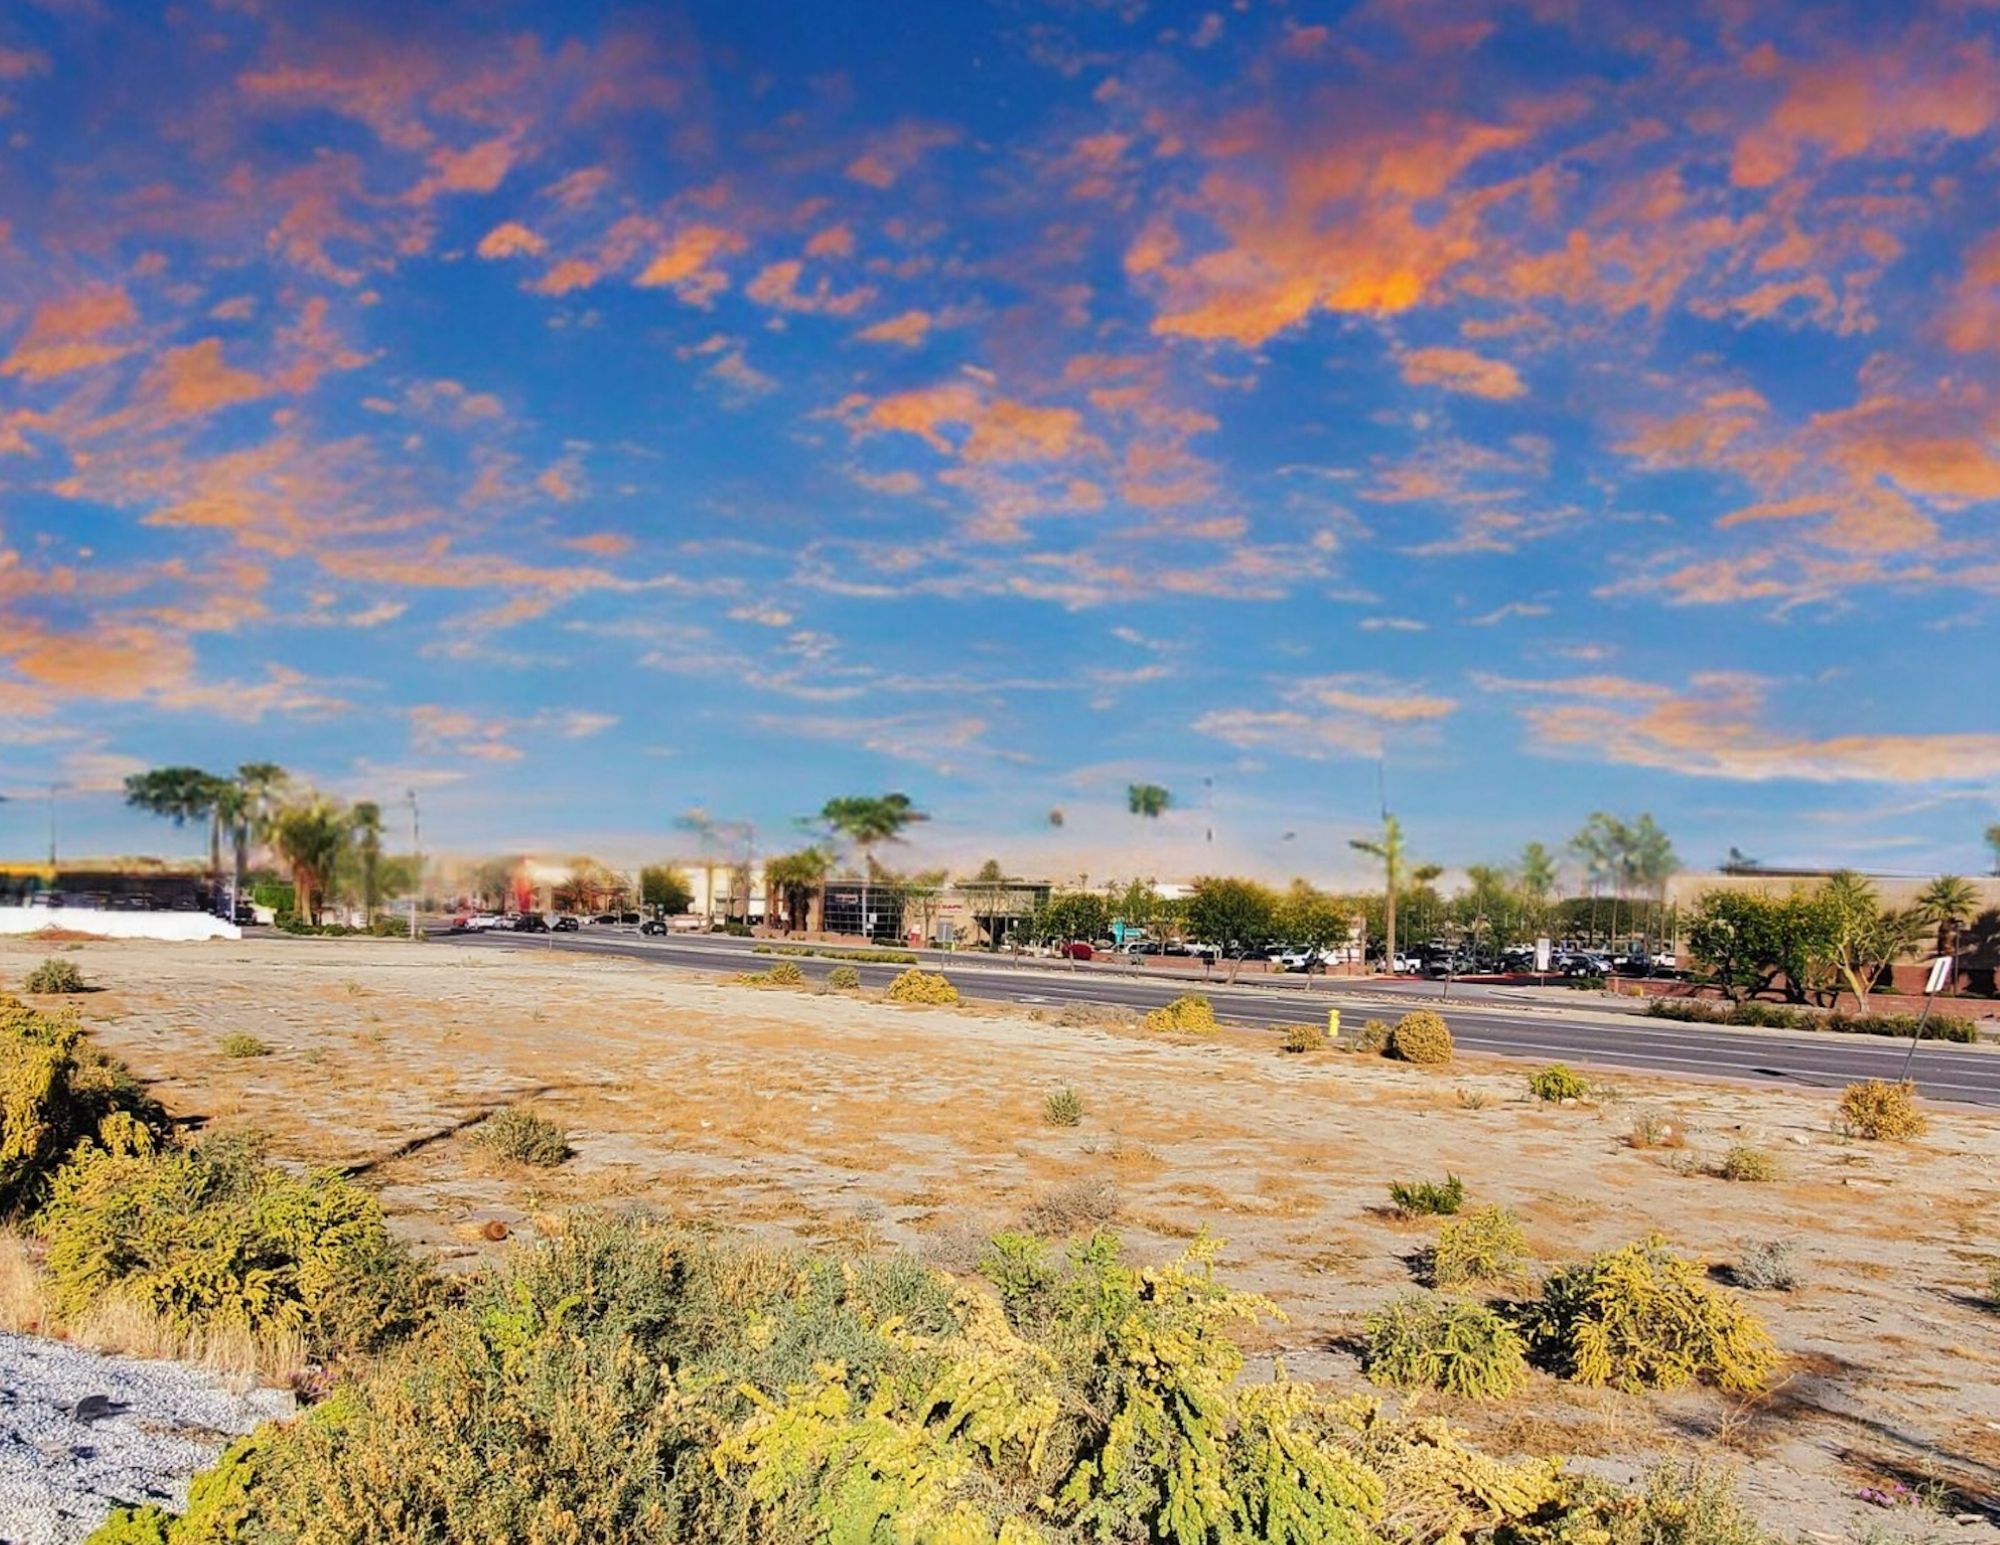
1333	1024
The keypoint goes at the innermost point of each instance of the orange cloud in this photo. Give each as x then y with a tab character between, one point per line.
687	265
889	157
1972	317
479	169
511	239
836	241
1461	370
601	544
908	329
777	286
117	662
196	380
68	334
569	275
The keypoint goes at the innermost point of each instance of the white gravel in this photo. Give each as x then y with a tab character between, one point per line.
81	1432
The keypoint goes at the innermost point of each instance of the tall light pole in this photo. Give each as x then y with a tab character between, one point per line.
52	828
417	843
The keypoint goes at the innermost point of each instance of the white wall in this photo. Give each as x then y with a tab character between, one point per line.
176	927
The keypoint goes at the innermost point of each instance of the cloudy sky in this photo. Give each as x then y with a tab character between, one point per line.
580	414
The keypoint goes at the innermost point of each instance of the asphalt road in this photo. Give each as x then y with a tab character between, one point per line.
1531	1032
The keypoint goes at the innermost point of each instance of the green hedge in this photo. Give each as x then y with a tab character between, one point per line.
1785	1016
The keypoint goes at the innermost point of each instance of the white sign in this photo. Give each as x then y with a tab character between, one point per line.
1940	974
1541	956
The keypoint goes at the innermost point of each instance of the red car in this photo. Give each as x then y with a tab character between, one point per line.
1076	949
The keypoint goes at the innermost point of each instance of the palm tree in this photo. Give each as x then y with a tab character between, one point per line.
1993	842
181	795
1148	801
1652	863
309	835
1947	902
867	821
366	819
1389	849
797	877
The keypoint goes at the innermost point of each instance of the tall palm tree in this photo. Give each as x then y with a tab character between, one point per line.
1389	849
1651	862
797	878
1946	903
1148	801
866	821
244	805
181	795
309	834
366	822
1993	842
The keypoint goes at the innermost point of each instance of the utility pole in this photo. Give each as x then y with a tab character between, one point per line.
52	830
416	842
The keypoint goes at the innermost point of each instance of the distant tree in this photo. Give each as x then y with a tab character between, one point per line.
1537	874
1134	904
1747	943
1993	842
1057	818
182	795
1148	801
309	835
244	805
1226	912
1865	937
1388	848
1309	918
662	889
922	892
366	822
1651	864
1068	915
866	821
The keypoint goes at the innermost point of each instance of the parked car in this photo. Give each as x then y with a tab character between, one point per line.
605	919
531	922
652	925
564	924
246	914
1076	949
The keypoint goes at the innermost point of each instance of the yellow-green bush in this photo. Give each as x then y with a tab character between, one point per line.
1487	1245
1556	1083
1422	1341
1746	1161
1880	1110
53	977
1303	1038
211	1239
1427	1198
58	1097
240	1044
1642	1317
843	978
1189	1014
1062	1108
518	1135
1373	1041
914	986
1423	1037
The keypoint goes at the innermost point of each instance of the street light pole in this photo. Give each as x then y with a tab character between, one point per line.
52	828
416	842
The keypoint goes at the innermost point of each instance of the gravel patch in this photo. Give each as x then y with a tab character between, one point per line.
81	1432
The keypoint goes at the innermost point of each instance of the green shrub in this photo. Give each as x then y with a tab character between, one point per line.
1681	1505
1422	1341
53	977
1768	1266
1373	1041
1785	1016
239	1043
1062	1108
522	1137
854	957
210	1239
1471	1099
1642	1317
1882	1111
1189	1014
1556	1083
1421	1037
1427	1198
1303	1038
59	1098
1746	1161
914	986
843	979
1485	1246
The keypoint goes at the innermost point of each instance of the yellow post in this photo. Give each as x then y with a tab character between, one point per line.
1333	1024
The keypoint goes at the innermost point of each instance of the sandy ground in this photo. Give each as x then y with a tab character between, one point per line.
849	1121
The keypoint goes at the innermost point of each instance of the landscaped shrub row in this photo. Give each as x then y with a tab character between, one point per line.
863	957
1784	1016
626	1381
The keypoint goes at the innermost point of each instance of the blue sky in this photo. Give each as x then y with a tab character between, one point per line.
581	414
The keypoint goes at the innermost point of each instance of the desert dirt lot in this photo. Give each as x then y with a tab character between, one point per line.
841	1120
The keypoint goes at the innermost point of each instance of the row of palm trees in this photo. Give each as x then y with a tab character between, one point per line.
259	803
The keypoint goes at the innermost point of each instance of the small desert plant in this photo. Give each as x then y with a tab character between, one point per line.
1074	1207
1881	1110
1486	1245
1651	1129
1303	1038
1421	1037
1426	1342
240	1043
784	973
1471	1099
1767	1266
1556	1083
1062	1108
843	979
1993	1288
1642	1317
53	977
1746	1161
520	1136
1190	1014
1427	1198
1373	1041
914	986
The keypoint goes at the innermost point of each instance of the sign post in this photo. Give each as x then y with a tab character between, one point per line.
1542	957
1934	984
